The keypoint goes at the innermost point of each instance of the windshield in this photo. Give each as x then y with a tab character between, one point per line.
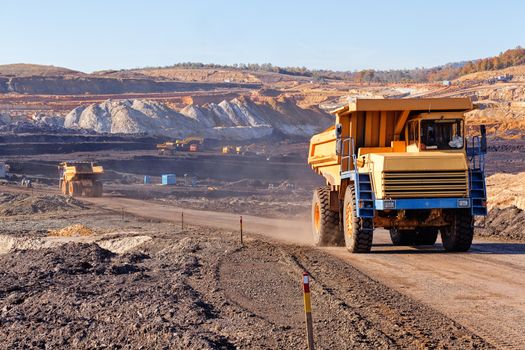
442	134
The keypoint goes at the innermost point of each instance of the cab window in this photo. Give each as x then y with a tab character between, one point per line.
442	134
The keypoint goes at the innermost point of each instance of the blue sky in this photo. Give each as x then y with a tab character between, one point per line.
343	35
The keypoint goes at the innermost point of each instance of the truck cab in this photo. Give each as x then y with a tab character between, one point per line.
399	164
436	132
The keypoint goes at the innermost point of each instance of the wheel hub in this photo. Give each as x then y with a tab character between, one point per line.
317	217
348	219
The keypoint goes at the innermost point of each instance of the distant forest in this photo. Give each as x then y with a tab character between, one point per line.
509	58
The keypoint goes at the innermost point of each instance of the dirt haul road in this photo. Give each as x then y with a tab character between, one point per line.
483	289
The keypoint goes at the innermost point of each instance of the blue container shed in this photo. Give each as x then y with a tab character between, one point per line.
169	179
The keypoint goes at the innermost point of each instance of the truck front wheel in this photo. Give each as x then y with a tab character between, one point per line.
64	187
358	231
75	189
97	189
457	236
325	222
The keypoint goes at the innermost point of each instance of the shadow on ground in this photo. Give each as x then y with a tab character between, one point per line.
476	248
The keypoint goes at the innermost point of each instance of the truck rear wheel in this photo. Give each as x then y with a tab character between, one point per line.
358	232
457	237
97	189
75	189
402	237
426	236
325	222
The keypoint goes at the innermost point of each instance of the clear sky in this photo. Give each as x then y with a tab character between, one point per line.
344	35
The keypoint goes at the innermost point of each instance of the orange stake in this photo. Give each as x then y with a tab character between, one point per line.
240	222
308	311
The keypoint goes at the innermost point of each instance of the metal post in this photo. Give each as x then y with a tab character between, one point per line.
122	213
240	222
308	311
182	220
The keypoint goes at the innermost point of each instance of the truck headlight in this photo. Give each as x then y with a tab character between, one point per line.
463	203
389	204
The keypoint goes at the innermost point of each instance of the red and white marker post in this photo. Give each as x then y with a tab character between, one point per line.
240	224
308	311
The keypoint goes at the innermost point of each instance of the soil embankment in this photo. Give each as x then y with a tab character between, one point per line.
506	204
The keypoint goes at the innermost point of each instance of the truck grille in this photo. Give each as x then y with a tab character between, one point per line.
425	184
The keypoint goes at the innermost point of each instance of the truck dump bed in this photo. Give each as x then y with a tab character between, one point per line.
374	125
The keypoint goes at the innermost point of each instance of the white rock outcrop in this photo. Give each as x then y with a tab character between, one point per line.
238	119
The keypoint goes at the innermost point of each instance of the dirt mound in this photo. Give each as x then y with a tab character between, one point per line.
68	259
119	300
505	223
72	230
506	204
24	204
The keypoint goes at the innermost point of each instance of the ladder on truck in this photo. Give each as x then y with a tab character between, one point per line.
478	189
363	185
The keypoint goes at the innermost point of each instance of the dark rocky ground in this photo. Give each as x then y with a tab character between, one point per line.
198	289
503	223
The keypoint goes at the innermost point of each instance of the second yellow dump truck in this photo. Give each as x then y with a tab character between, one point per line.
191	144
399	164
80	179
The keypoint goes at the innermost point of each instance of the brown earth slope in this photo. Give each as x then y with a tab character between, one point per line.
24	69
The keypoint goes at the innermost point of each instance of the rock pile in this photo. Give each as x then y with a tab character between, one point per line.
237	119
504	223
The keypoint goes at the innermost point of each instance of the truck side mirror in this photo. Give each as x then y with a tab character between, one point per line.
338	131
483	131
338	147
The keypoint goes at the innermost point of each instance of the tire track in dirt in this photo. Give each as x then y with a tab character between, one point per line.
350	309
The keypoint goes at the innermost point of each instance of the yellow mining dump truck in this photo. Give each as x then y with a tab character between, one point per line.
399	164
233	149
191	144
80	179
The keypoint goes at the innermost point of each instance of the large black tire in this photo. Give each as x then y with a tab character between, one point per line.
402	237
358	232
325	222
426	236
70	189
457	237
75	189
65	187
97	189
